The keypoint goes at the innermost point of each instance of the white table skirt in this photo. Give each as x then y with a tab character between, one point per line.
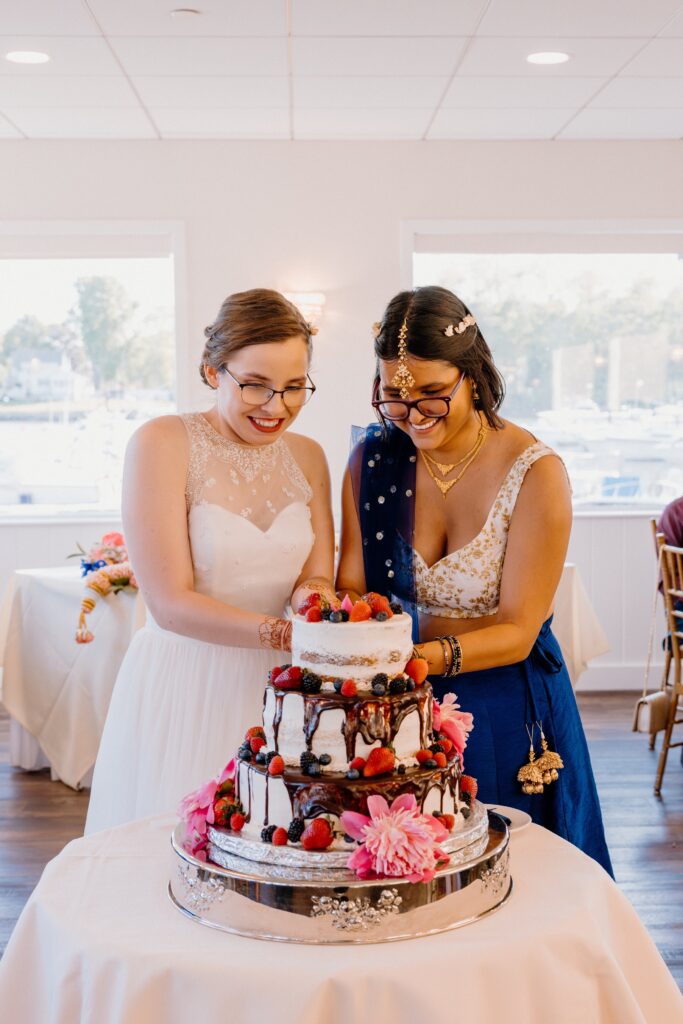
100	943
575	624
56	691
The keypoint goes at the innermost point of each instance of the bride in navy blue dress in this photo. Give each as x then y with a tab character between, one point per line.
465	518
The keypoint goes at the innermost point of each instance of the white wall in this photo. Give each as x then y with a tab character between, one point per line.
323	217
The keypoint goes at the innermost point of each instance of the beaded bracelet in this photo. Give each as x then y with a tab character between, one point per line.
456	650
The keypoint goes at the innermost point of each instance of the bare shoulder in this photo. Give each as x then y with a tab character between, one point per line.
308	453
162	434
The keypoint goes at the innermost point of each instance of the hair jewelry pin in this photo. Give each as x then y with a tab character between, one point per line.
467	321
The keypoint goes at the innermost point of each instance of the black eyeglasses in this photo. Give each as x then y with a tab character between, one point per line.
259	394
397	409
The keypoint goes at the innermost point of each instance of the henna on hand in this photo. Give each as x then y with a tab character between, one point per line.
275	634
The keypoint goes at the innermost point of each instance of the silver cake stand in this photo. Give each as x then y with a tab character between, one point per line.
287	903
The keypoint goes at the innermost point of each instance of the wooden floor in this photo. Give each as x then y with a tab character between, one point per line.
645	835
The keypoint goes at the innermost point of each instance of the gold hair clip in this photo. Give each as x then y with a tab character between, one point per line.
403	378
376	328
466	322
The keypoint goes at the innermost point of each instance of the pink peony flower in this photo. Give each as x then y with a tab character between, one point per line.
196	810
397	841
453	723
113	540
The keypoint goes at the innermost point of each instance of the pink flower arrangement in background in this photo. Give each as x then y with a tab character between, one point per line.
397	841
108	570
196	811
452	722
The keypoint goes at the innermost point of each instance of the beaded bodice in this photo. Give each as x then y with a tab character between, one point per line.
465	583
248	518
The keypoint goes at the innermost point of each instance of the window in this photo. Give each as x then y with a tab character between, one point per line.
87	353
591	349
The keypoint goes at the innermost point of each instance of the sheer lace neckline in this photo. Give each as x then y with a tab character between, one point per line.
229	443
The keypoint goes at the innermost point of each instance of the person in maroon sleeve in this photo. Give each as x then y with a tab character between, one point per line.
671	523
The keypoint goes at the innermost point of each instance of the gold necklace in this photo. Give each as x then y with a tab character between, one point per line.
445	485
447	467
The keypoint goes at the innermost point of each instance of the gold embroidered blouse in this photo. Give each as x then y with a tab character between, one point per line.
465	584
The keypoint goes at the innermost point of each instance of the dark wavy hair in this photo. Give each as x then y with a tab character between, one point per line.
428	311
254	317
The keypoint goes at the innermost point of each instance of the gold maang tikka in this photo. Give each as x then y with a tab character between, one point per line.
403	378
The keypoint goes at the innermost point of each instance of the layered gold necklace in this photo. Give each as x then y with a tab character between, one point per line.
444	468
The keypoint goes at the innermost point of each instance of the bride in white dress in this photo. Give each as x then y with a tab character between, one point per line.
226	521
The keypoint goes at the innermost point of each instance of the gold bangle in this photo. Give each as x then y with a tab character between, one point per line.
445	648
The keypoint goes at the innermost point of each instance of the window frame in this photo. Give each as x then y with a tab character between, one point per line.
103	239
582	235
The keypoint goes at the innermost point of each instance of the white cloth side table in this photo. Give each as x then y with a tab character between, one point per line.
56	691
575	624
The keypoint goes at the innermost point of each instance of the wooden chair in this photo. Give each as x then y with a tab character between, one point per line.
671	561
656	535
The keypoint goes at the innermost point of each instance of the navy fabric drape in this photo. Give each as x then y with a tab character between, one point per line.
503	700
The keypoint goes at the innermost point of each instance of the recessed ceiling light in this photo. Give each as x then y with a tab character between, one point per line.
548	57
27	57
184	12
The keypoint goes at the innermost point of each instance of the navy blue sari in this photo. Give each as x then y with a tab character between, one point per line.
504	700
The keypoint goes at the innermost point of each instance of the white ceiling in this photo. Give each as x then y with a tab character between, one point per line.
342	69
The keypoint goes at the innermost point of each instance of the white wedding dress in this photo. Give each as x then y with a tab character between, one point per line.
180	706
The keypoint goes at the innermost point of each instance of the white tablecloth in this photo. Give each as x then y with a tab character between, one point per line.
575	624
100	943
57	691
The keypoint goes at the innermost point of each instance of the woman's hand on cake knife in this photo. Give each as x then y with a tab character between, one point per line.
316	585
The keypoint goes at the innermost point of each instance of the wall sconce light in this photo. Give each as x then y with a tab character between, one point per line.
310	303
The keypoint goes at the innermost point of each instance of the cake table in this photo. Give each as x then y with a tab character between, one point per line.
99	942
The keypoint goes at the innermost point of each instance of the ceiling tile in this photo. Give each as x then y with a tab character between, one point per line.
195	56
81	123
626	124
70	55
66	91
596	58
219	124
385	17
498	124
506	93
36	17
580	18
641	92
217	18
353	92
7	130
675	28
397	57
213	92
360	124
661	57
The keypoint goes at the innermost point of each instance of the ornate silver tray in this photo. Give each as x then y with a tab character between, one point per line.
471	838
329	906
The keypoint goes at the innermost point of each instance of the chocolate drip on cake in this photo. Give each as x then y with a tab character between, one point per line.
310	798
376	719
